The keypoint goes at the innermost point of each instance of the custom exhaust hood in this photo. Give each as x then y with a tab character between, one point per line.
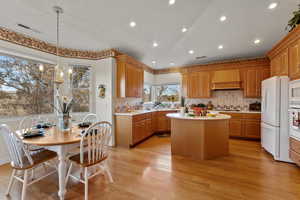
226	80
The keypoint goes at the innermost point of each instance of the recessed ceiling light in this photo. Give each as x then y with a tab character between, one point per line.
172	2
41	67
191	52
153	62
220	47
273	5
155	44
172	64
132	24
223	18
184	30
257	41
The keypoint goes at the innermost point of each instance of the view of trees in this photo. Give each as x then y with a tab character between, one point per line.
81	88
167	93
24	89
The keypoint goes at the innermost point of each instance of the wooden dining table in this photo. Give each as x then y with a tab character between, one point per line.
62	142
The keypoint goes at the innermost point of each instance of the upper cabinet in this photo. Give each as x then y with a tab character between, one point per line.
130	77
247	75
252	81
197	85
285	56
279	65
294	60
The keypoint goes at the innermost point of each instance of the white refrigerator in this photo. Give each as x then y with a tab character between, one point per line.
274	117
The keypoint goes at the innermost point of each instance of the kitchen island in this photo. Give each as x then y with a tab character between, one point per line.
199	138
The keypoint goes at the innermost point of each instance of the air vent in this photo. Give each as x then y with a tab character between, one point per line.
200	57
28	28
24	26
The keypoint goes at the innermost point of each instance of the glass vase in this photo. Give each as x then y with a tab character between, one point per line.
64	122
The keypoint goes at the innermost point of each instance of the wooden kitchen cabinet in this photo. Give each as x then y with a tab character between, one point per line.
252	128
295	150
197	84
130	130
294	60
244	125
130	77
163	123
252	81
235	127
280	65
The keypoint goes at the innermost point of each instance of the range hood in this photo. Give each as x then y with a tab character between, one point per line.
226	80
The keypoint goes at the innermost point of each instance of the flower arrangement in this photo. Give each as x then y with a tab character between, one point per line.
65	106
63	110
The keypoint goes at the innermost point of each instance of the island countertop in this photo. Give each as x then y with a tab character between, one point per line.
186	117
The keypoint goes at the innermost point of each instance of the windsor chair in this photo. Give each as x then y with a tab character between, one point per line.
93	152
22	160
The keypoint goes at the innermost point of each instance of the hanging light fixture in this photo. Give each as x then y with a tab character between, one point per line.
59	73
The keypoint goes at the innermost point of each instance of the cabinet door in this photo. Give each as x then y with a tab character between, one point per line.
161	122
141	83
131	90
275	66
252	128
138	133
235	127
250	83
199	85
148	128
294	60
280	65
184	85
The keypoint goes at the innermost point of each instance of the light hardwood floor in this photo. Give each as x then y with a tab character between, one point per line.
149	172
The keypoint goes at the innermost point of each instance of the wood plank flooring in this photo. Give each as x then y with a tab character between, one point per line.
150	172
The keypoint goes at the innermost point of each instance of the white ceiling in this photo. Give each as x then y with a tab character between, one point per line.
103	24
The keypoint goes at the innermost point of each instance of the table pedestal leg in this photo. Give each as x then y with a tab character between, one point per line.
62	172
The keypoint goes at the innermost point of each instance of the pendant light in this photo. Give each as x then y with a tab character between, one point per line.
59	73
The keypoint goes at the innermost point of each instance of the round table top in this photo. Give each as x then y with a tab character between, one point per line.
53	137
186	117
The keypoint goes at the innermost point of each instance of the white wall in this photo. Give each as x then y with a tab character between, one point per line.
149	78
102	73
167	78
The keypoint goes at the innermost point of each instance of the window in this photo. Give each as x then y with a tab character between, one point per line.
24	88
167	93
81	88
147	93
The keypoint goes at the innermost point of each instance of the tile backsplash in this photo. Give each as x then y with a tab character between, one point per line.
226	97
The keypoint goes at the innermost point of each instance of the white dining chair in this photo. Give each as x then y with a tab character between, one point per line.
27	123
23	161
90	118
93	153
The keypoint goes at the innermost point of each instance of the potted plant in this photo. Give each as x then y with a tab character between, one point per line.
295	20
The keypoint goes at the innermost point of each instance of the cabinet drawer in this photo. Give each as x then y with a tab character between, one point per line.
294	156
140	117
295	145
252	116
233	115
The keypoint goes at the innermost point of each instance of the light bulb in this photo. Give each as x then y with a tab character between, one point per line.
41	67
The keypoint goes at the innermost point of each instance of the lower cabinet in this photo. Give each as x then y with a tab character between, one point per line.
131	130
295	151
244	125
162	122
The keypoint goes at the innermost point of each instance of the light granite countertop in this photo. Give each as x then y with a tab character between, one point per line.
186	117
232	111
139	112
